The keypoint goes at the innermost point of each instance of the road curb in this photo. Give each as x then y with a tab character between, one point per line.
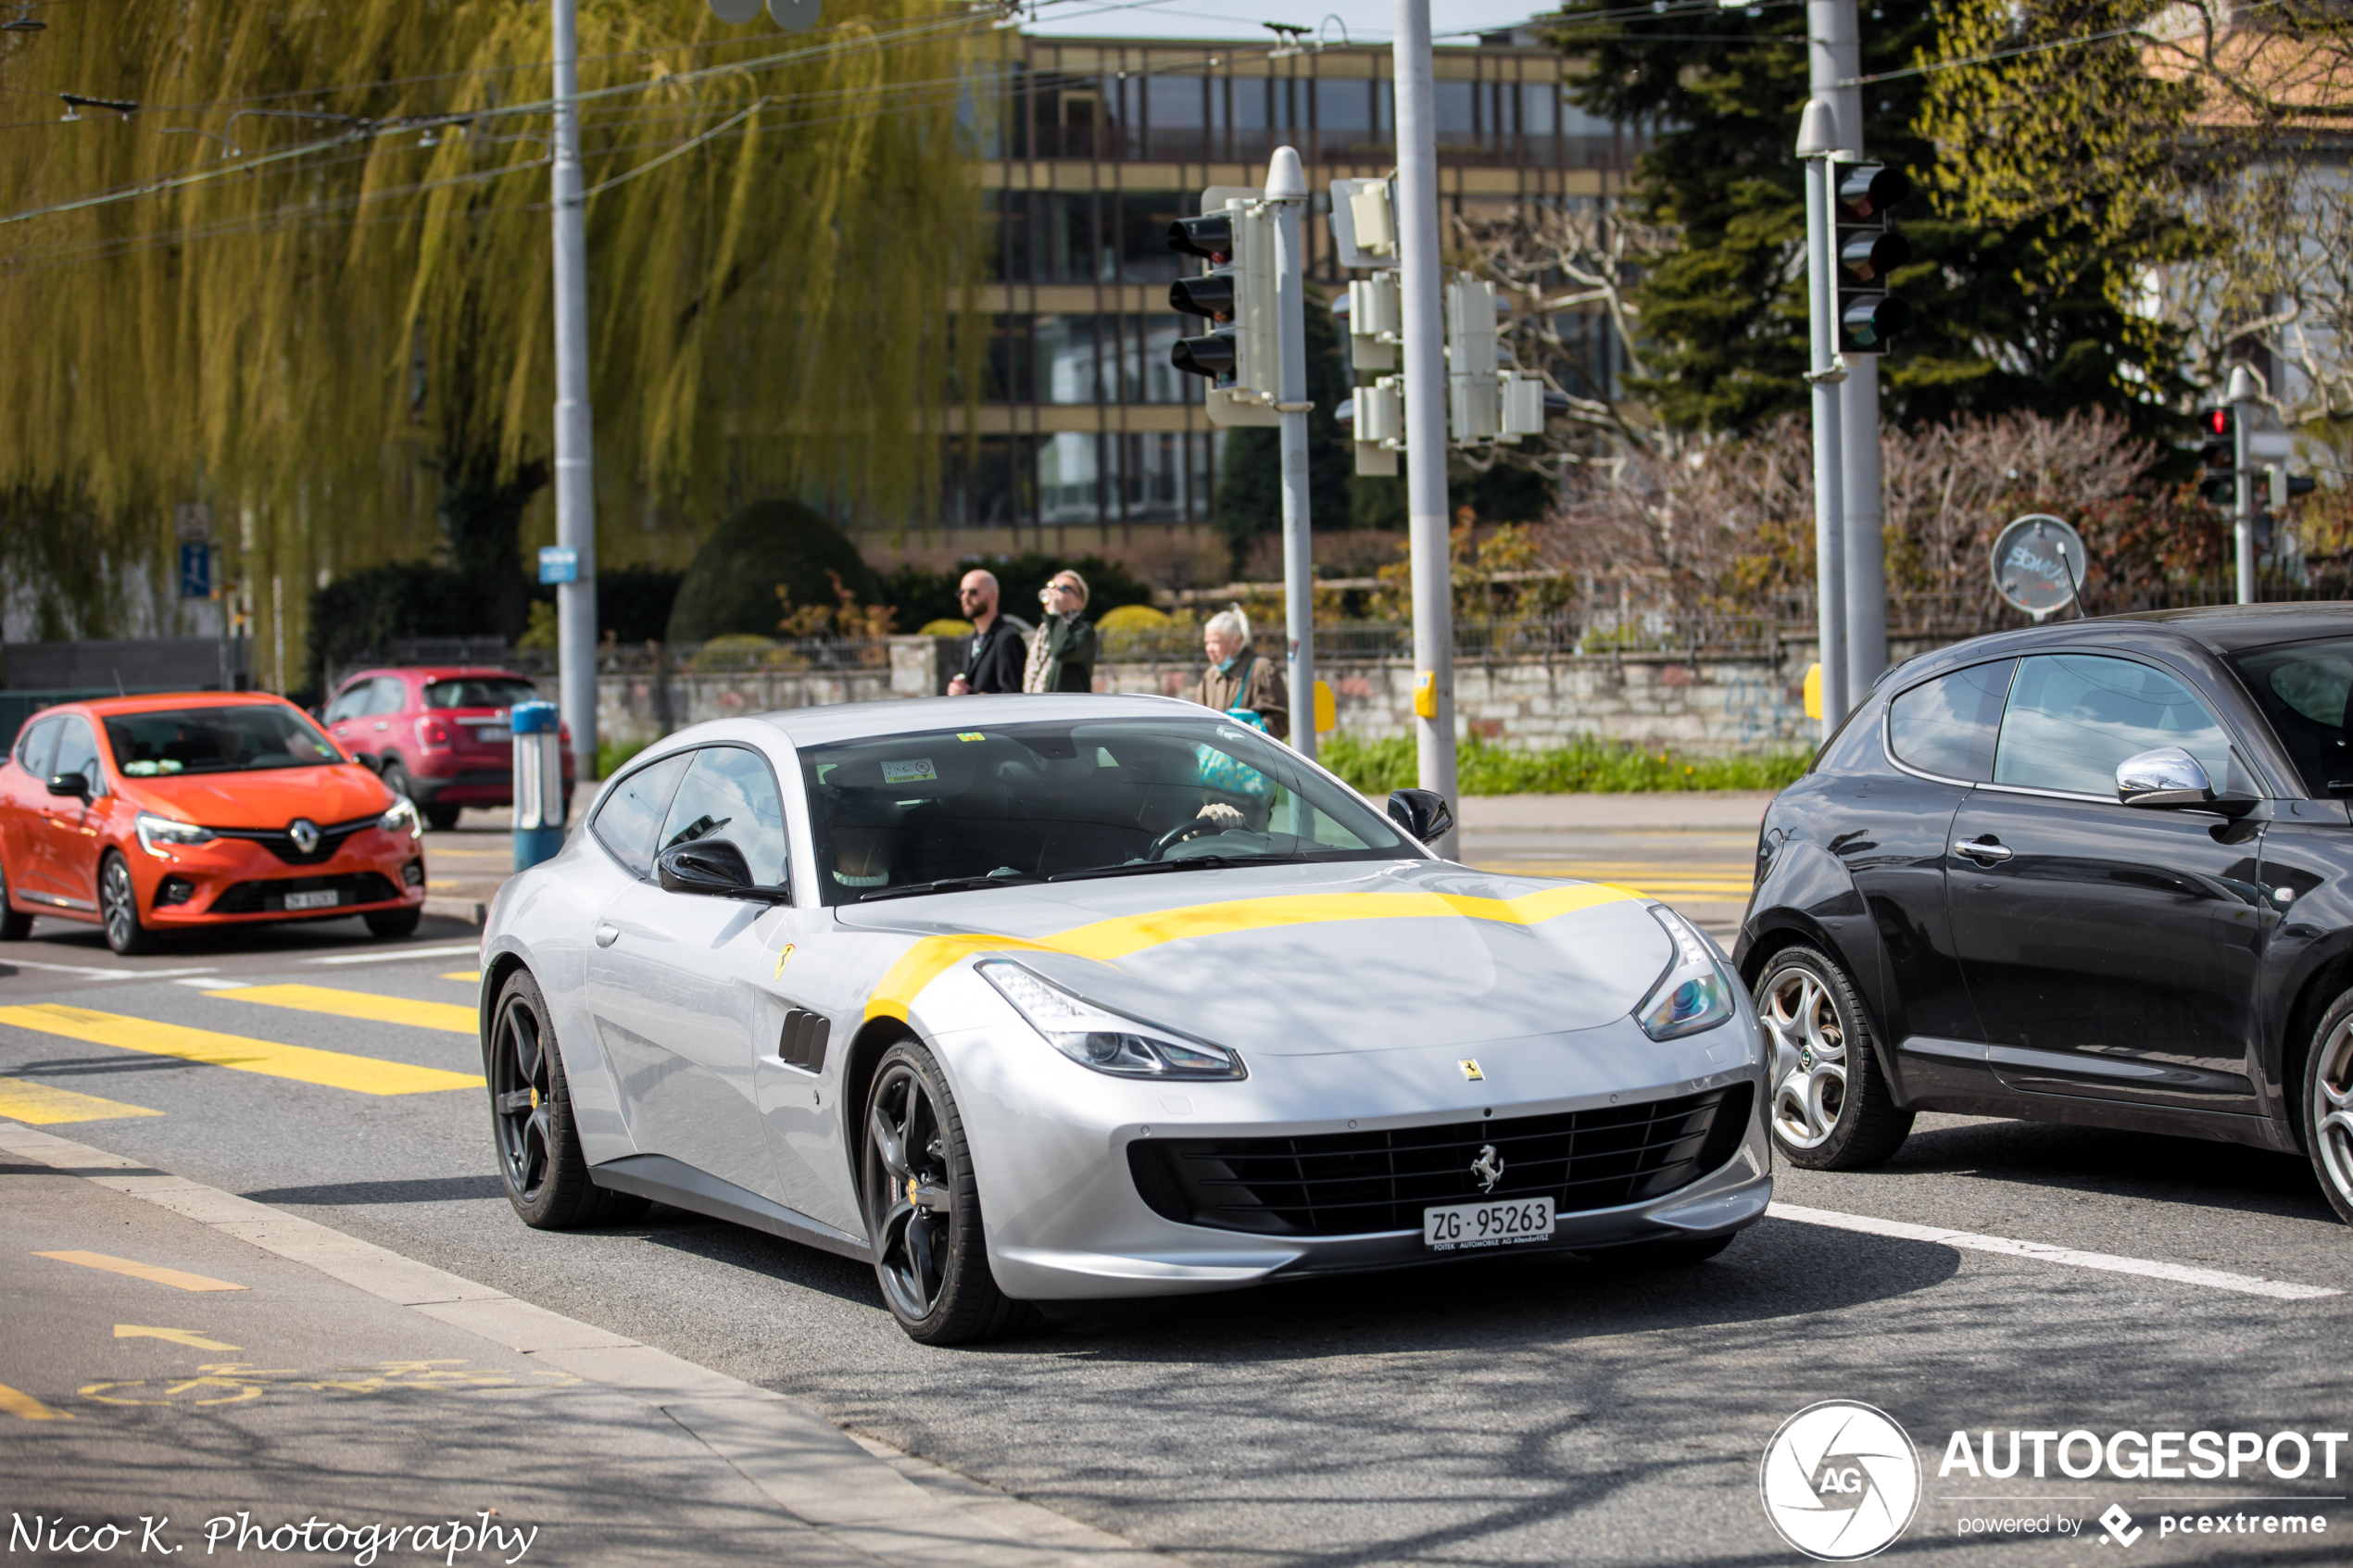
885	1505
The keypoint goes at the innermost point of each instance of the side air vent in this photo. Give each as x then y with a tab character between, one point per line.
803	1044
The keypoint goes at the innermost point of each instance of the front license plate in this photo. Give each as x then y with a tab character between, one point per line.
493	733
326	900
1460	1226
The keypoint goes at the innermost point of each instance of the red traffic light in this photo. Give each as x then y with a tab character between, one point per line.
1209	236
2217	421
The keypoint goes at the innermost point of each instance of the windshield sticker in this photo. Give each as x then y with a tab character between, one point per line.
969	735
914	770
147	769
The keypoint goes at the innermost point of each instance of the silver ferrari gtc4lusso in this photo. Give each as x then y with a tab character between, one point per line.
1055	998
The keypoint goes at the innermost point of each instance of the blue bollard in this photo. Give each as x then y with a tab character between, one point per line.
540	783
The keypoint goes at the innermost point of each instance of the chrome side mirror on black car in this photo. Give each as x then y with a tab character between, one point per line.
2167	776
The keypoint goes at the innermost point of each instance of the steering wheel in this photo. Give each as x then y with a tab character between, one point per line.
1180	832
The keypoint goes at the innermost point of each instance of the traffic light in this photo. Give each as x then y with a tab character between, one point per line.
2286	486
2217	485
1239	356
1869	317
1473	388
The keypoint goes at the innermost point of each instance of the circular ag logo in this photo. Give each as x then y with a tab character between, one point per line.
1841	1480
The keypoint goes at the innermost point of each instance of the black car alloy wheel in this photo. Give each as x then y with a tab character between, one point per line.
908	1190
523	1098
2328	1105
118	907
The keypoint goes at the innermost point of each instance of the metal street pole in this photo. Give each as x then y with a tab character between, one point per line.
1835	54
575	459
1286	189
1817	140
2242	407
1425	373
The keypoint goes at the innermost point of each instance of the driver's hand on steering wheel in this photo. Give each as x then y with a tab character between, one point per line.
1225	816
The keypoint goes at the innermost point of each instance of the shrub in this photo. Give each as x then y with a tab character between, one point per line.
1376	767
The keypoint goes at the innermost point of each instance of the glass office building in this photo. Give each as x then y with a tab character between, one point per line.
1086	435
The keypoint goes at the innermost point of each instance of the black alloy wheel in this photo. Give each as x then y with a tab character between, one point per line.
396	778
118	906
15	926
1829	1108
540	1161
923	1209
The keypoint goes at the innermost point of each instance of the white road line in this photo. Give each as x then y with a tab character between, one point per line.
2180	1273
471	949
214	983
11	961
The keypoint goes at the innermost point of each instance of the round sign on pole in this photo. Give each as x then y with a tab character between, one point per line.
734	12
2038	564
794	16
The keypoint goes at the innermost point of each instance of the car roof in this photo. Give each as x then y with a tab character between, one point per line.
859	720
154	702
442	672
2214	630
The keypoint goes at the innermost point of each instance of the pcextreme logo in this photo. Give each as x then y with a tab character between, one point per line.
1841	1480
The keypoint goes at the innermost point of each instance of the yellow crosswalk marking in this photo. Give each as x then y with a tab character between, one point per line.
470	977
40	1105
334	1070
187	1337
364	1005
179	1278
24	1407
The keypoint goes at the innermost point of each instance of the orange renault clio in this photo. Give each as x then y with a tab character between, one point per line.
148	814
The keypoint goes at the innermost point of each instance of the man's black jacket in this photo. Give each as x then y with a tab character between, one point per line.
993	661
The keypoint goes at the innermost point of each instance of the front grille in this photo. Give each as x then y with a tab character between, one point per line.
279	842
1352	1184
270	897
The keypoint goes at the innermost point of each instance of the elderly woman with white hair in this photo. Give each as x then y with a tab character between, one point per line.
1239	677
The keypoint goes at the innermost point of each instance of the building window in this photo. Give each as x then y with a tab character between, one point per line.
1176	106
1144	218
1067	370
1067	479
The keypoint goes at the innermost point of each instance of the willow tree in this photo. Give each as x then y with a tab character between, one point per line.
291	260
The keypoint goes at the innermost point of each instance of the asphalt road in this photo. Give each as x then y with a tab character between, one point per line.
1489	1411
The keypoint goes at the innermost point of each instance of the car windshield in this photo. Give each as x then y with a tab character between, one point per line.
480	691
1025	802
216	740
2303	689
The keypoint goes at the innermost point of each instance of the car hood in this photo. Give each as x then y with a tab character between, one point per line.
1305	959
265	799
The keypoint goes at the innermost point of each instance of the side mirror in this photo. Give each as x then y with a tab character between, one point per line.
712	867
2167	776
75	784
1422	812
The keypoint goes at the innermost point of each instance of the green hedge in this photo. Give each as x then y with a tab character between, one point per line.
1376	767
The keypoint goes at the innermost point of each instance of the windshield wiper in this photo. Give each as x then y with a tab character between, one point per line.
947	884
1190	863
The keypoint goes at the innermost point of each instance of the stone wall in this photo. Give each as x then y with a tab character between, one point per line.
1693	703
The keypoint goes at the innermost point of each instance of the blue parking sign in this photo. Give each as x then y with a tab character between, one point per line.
559	563
196	570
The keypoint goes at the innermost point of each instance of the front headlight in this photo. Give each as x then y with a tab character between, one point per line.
1105	1041
402	818
1692	995
156	831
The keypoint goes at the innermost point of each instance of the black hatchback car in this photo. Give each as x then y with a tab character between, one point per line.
2099	871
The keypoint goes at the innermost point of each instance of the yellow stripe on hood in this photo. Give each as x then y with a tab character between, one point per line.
1109	940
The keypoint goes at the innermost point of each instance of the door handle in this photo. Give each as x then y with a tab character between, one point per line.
1986	854
607	935
381	724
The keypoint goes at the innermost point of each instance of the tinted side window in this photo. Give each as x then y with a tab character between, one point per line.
39	748
730	794
1946	726
389	695
625	823
78	753
2073	717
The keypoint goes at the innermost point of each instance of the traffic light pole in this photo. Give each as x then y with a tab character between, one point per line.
2241	397
1817	140
576	461
1421	288
1833	55
1287	193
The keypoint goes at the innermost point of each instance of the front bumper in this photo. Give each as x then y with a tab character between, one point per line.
1049	1142
237	882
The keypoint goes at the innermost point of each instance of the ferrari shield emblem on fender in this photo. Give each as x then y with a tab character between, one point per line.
1470	1070
1488	1168
305	833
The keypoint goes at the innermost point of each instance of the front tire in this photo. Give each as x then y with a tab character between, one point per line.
441	819
540	1162
118	907
2328	1105
15	925
923	1209
393	925
1830	1107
